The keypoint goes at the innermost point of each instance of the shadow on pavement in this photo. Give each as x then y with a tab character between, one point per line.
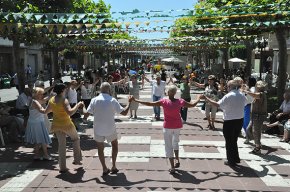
243	171
195	125
119	179
186	177
74	177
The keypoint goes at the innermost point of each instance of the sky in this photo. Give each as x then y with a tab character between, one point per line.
147	5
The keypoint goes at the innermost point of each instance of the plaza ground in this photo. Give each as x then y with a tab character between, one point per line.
142	164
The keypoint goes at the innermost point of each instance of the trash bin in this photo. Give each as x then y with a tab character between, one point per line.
5	81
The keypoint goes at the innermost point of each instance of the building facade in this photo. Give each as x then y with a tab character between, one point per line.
29	55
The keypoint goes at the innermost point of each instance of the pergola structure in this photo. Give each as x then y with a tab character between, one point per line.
85	26
86	32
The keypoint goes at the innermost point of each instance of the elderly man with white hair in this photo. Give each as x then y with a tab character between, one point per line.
172	123
158	89
232	105
103	107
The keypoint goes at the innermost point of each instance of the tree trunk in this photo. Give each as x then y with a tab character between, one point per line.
19	65
281	38
108	63
198	58
226	59
55	64
248	67
50	68
114	57
80	63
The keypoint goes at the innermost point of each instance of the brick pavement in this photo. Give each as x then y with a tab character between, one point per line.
143	166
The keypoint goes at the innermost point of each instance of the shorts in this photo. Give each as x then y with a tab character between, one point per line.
109	138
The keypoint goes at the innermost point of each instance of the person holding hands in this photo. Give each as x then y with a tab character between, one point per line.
232	105
103	108
172	123
62	125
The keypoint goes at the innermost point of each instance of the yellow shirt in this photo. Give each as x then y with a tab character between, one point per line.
61	120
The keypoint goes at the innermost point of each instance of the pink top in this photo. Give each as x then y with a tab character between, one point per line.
172	118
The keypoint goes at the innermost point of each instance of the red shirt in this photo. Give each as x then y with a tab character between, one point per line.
116	77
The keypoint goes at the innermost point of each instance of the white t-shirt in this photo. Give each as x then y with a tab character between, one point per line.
158	90
23	101
250	99
285	107
233	105
86	93
104	107
72	96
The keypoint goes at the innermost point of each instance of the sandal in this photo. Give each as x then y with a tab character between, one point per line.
114	171
209	127
257	150
105	173
172	171
177	165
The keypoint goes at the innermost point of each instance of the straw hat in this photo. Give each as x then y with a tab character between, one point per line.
211	77
261	85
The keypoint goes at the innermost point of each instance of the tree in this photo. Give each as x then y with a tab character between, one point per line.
238	51
30	35
248	18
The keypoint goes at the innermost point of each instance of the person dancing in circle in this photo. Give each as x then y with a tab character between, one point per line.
172	123
36	131
62	125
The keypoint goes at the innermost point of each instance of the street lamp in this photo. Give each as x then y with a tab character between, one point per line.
261	44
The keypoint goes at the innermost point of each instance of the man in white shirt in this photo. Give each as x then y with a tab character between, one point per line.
104	107
23	101
22	104
87	92
158	90
72	97
72	94
232	105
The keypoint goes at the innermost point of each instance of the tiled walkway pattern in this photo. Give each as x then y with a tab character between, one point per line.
143	166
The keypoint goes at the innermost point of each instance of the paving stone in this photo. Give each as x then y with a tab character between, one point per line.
142	163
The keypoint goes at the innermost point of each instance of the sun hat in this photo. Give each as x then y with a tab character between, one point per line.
211	77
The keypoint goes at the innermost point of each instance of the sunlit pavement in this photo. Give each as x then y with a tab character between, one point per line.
143	166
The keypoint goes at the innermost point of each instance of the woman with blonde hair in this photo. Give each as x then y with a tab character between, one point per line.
36	130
